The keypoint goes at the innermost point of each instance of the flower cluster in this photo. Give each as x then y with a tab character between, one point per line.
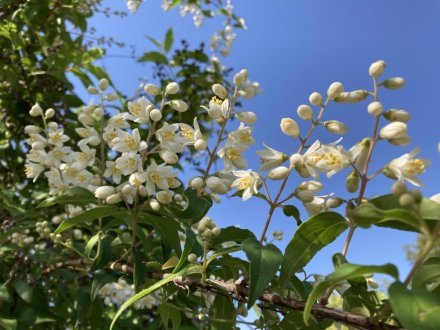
116	293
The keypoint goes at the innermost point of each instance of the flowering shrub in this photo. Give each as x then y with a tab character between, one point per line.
144	252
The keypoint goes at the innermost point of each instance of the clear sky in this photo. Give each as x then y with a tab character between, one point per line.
294	48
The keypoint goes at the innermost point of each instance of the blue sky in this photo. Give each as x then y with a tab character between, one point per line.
294	48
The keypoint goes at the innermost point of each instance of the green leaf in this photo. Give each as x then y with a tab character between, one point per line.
223	309
264	263
152	288
191	246
232	234
427	274
155	42
221	252
342	273
310	237
8	324
416	309
139	269
104	255
4	294
23	290
92	214
169	39
294	320
101	278
292	211
155	57
170	317
168	229
90	244
197	207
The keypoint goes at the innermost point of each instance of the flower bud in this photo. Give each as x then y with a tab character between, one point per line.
104	191
36	110
302	171
168	156
278	173
393	130
376	69
335	90
111	97
406	200
305	196
352	182
196	182
94	140
77	234
52	125
152	89
32	129
246	117
334	202
143	191
200	145
216	185
397	115
394	83
401	141
92	90
38	145
154	204
99	112
352	97
220	91
315	98
296	160
417	194
216	231
126	189
375	108
240	77
178	197
113	199
155	115
313	186
192	258
334	126
398	188
165	196
103	84
289	127
86	119
49	113
305	112
179	105
172	88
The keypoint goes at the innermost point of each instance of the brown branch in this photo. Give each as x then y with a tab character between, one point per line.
240	292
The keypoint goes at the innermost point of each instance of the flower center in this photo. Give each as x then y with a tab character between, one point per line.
415	166
187	133
232	153
130	142
245	183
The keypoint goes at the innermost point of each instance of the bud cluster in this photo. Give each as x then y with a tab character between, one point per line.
207	229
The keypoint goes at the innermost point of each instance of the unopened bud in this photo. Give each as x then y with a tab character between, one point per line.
278	173
334	126
305	112
418	197
168	156
315	98
200	145
196	182
86	119
49	113
216	231
305	196
334	202
179	105
172	88
289	127
296	160
165	196
398	188
400	141
113	199
240	77
220	91
216	185
393	130
155	115
335	90
154	204
247	117
376	69
104	191
38	145
103	84
92	90
394	83
36	110
111	97
99	112
375	108
406	200
152	89
397	115
77	234
192	258
352	182
352	97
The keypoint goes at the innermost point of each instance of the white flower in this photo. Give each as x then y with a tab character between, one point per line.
169	139
393	130
159	176
317	205
190	135
246	181
165	196
328	159
128	163
289	127
270	158
112	171
133	5
358	153
89	135
232	155
406	167
242	135
57	137
117	121
84	158
139	111
126	142
33	170
215	107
